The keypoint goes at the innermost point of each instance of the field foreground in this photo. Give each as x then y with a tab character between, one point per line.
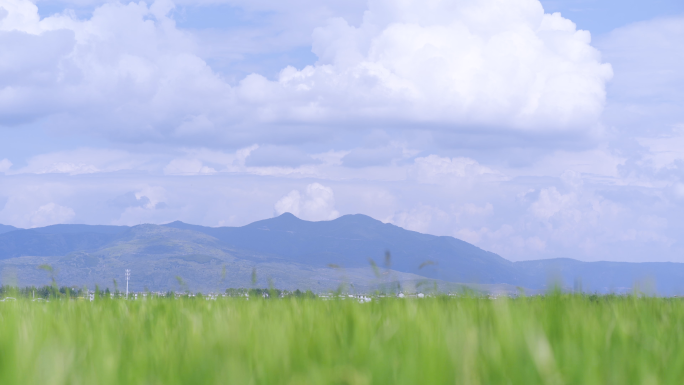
557	339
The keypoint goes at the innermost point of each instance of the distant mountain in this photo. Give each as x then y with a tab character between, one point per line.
352	240
292	253
6	229
650	277
78	229
166	258
37	243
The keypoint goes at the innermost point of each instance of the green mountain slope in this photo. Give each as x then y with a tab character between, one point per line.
292	253
351	240
163	258
6	229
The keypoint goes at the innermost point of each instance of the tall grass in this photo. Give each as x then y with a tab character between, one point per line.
558	339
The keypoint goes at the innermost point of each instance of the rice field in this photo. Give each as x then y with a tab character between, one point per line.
554	339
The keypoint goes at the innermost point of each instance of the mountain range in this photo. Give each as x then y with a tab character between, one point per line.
353	252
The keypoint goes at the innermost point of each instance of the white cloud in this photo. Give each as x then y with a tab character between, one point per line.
392	153
569	216
195	125
128	71
187	167
552	202
205	162
202	161
289	203
387	87
86	161
598	162
5	165
444	218
155	194
506	240
36	203
663	151
488	63
436	169
422	218
50	214
153	208
28	210
472	210
317	203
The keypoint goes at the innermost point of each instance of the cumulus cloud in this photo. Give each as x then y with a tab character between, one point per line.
317	203
370	114
25	212
154	195
489	63
130	72
51	214
575	216
147	205
126	70
523	218
30	204
552	202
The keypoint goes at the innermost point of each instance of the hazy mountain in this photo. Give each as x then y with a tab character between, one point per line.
71	229
650	277
351	240
6	229
157	255
32	242
292	253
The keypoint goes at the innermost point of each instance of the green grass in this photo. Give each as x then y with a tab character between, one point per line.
559	339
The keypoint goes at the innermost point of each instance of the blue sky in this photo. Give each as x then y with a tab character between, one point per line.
531	129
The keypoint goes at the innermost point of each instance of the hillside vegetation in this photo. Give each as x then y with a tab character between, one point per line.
291	253
556	339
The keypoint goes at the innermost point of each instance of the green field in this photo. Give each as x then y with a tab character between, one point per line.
557	339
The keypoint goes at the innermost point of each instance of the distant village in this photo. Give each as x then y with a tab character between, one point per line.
46	293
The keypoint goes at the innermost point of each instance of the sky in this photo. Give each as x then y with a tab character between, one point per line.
550	129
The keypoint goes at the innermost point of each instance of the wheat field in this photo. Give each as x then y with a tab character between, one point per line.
553	339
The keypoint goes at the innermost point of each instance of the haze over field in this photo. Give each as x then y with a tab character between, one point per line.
533	130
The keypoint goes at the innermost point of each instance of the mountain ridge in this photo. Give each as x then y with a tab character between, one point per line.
7	229
289	245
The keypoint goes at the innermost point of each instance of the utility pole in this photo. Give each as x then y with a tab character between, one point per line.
128	275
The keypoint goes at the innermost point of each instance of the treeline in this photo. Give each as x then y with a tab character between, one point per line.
44	292
47	292
269	293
